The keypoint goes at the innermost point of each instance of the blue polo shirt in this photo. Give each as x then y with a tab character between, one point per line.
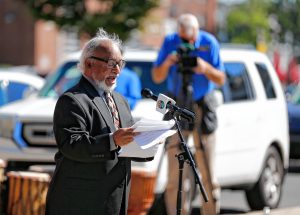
206	47
129	85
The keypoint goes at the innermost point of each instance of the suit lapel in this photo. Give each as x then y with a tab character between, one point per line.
103	109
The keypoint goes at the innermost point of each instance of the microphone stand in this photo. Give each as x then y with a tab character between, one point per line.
185	156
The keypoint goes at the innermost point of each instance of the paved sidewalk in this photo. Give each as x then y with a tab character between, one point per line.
280	211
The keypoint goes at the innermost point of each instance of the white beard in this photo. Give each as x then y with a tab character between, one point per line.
102	85
106	88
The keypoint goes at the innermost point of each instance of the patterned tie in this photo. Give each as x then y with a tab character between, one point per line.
113	109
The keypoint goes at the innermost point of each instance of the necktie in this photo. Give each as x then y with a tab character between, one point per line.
113	109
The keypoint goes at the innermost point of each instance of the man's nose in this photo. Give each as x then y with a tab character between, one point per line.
116	69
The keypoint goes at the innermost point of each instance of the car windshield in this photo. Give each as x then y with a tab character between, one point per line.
63	79
68	75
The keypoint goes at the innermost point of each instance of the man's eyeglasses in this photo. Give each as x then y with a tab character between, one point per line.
110	62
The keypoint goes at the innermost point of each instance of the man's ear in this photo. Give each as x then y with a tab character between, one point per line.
87	67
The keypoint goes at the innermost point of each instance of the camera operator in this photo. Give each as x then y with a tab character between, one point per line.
190	61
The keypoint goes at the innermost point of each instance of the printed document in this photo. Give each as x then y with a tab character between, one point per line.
151	133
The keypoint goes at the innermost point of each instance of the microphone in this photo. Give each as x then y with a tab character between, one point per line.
147	93
164	102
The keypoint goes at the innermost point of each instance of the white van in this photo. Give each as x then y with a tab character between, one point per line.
252	137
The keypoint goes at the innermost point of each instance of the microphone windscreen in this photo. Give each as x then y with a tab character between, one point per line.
147	93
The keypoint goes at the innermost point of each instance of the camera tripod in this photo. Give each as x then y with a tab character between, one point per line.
185	156
186	100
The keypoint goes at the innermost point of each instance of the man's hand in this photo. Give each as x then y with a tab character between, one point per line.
209	71
123	136
171	59
160	73
202	66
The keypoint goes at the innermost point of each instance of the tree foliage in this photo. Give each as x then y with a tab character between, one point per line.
116	16
273	17
248	20
287	15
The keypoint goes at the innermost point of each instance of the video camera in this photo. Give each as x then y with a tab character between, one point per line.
185	66
186	61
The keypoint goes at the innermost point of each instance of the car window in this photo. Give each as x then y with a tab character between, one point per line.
15	90
3	93
63	79
237	86
71	77
143	69
266	80
11	90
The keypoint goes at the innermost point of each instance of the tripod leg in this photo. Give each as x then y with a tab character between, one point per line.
207	208
181	159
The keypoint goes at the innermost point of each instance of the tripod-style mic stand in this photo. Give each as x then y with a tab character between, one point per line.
185	156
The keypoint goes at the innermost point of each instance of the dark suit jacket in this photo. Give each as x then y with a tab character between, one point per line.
89	178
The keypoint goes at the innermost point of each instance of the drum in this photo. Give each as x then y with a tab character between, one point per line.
2	185
42	169
141	194
27	192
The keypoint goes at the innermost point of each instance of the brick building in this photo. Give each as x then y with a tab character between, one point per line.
162	20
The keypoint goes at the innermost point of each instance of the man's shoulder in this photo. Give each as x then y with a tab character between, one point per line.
79	93
73	95
207	37
174	37
75	91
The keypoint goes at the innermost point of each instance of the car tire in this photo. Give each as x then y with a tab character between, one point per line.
267	191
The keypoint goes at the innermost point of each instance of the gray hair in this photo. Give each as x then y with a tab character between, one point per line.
92	44
187	22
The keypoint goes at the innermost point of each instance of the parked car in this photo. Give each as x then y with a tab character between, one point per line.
252	137
15	85
293	104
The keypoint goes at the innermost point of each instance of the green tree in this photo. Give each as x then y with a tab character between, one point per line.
248	21
286	13
118	16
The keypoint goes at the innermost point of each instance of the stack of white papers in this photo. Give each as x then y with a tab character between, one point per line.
152	133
